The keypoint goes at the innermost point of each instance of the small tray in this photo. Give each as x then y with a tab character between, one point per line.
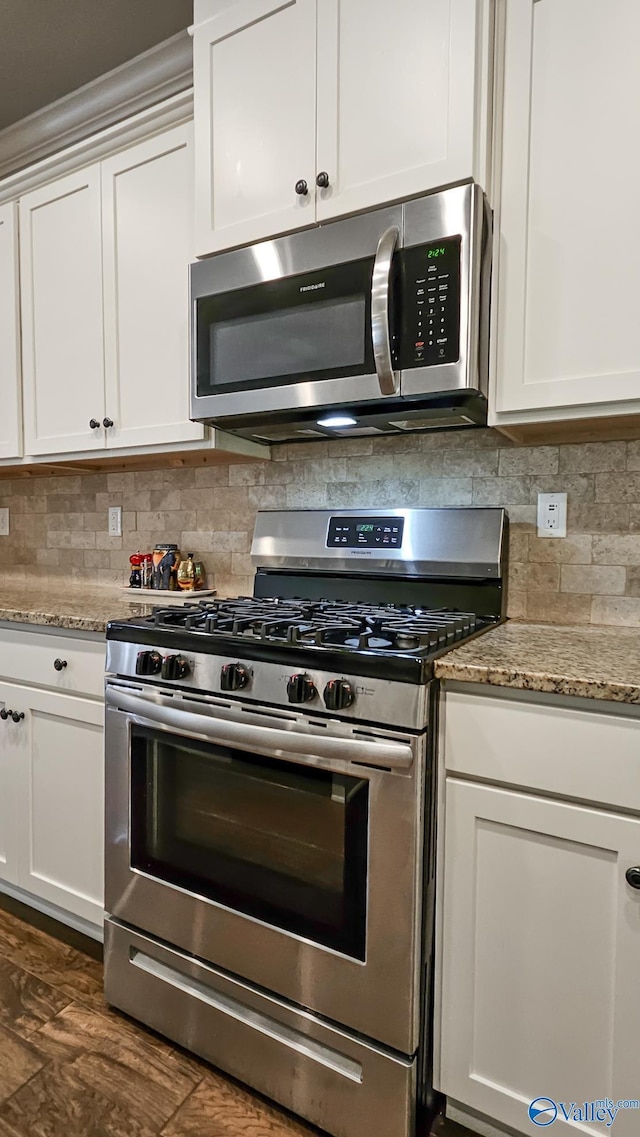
164	597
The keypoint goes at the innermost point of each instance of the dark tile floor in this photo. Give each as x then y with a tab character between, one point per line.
71	1067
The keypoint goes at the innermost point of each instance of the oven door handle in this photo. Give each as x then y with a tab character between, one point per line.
264	739
380	291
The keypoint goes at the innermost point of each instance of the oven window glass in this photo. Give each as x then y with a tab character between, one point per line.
309	326
279	841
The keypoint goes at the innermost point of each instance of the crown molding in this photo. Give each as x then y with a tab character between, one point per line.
155	76
159	117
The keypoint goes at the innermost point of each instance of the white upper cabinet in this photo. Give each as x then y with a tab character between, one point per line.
376	100
254	113
569	227
10	419
105	302
62	324
396	99
147	246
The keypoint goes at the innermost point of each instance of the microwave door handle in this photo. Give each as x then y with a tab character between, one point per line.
380	289
244	736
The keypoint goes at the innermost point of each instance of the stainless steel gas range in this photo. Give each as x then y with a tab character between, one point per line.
270	807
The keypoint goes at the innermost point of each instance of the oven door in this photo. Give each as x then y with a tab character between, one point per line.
285	851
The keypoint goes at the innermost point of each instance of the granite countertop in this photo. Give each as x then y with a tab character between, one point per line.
593	662
590	661
62	604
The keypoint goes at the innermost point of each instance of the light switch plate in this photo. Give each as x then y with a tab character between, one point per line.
4	522
552	515
115	521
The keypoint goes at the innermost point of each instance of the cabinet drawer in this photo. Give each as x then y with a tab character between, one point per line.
29	657
574	753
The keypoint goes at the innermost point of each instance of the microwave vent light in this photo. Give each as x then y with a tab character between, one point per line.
335	422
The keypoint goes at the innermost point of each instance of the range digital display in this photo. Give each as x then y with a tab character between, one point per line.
365	533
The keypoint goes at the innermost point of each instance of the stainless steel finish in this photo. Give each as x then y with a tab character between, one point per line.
348	1087
460	210
377	700
380	287
229	1005
460	542
327	245
463	211
231	728
333	985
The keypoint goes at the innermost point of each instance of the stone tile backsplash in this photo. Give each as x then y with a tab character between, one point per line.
59	524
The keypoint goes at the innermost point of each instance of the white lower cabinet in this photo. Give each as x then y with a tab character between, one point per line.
538	955
52	798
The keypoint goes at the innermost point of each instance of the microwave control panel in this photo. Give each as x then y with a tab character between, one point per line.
430	276
365	532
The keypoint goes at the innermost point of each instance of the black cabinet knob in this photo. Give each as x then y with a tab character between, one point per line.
107	422
17	717
322	179
60	664
633	876
148	663
233	676
302	188
5	714
175	667
338	694
93	423
301	689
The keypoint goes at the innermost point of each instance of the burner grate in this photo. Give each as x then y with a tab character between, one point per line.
323	623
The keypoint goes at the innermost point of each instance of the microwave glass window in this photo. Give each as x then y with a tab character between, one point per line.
300	328
284	843
294	341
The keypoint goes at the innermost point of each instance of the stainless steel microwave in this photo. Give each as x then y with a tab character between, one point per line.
374	323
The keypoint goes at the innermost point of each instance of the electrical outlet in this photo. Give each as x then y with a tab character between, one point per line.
4	522
115	521
552	514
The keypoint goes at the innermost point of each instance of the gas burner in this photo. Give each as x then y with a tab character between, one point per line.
342	625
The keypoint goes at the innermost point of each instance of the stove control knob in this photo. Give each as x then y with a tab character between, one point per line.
301	689
338	694
233	676
175	667
148	663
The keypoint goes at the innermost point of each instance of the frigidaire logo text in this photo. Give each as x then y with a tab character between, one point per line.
312	287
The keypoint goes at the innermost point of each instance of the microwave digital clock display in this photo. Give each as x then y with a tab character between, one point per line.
365	533
430	304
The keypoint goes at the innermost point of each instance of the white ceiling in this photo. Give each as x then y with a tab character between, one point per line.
50	47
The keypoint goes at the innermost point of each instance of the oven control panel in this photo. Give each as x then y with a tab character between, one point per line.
430	330
365	532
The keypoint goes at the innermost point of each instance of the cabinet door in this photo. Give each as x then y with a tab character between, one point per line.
62	323
9	823
569	229
254	111
397	89
147	208
540	943
60	803
10	421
